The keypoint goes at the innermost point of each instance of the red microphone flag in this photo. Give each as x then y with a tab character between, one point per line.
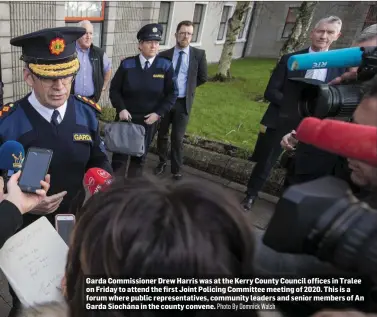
96	179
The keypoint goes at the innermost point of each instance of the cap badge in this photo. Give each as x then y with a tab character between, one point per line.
57	46
154	30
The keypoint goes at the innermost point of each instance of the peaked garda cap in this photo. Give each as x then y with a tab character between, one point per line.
51	53
150	32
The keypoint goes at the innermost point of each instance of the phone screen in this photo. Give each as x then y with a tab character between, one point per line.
35	169
64	226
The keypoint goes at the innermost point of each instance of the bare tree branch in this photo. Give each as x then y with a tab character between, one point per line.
300	30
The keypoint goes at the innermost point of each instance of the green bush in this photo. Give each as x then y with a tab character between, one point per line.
108	114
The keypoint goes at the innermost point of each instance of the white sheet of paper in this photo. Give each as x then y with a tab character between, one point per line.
34	261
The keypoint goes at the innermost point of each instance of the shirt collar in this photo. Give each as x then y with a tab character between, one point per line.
44	111
311	50
186	49
143	60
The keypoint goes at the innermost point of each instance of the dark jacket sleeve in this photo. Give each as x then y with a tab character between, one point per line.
11	220
202	70
274	88
116	85
98	157
170	92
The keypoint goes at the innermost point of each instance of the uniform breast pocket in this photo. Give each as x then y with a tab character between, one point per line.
81	147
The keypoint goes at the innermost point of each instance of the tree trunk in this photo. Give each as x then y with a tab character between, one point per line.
299	34
233	29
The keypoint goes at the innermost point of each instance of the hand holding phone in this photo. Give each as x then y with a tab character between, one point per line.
64	225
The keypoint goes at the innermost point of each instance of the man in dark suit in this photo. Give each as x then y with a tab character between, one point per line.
268	149
190	65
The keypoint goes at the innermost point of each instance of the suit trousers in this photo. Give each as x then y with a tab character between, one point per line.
136	165
269	150
178	118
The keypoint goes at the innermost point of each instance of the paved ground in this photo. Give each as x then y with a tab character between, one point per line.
260	215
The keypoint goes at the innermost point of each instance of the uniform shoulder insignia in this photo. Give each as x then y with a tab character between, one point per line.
89	102
6	109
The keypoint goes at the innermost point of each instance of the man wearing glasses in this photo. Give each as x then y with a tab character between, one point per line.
190	66
49	117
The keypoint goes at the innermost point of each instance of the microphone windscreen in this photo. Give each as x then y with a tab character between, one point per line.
340	58
96	179
12	155
346	139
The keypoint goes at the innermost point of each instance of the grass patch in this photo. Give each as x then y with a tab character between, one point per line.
228	112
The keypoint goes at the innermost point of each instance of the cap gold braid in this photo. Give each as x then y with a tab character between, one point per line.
55	70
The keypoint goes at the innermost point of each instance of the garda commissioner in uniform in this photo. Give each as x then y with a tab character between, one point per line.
70	130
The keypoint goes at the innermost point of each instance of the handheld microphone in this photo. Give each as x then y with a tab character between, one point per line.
12	155
346	139
345	57
96	179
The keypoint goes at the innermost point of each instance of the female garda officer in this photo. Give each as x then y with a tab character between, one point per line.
143	90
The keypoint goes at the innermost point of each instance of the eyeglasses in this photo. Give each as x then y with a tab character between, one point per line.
184	34
49	82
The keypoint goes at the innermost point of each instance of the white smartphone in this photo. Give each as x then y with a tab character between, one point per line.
64	225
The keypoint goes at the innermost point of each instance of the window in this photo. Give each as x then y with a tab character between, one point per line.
244	21
290	22
197	21
76	11
223	22
371	17
163	19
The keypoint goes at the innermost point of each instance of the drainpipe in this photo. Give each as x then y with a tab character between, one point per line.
254	8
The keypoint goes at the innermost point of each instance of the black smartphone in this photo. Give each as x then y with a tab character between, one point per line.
34	169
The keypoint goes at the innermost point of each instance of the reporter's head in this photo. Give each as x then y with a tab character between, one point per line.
139	227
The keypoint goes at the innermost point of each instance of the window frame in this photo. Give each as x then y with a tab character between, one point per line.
245	26
288	22
165	33
367	21
91	19
95	20
201	23
225	23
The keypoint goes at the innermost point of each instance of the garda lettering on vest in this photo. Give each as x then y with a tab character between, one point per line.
158	76
82	137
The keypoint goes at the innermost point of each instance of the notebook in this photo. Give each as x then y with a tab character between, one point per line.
33	261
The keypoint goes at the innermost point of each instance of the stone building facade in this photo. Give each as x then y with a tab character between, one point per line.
265	27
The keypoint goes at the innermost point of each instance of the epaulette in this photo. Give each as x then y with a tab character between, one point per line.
6	109
90	102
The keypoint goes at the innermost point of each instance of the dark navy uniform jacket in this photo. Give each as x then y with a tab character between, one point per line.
140	91
75	142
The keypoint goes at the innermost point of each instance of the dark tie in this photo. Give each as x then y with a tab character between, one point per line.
146	66
179	62
54	118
